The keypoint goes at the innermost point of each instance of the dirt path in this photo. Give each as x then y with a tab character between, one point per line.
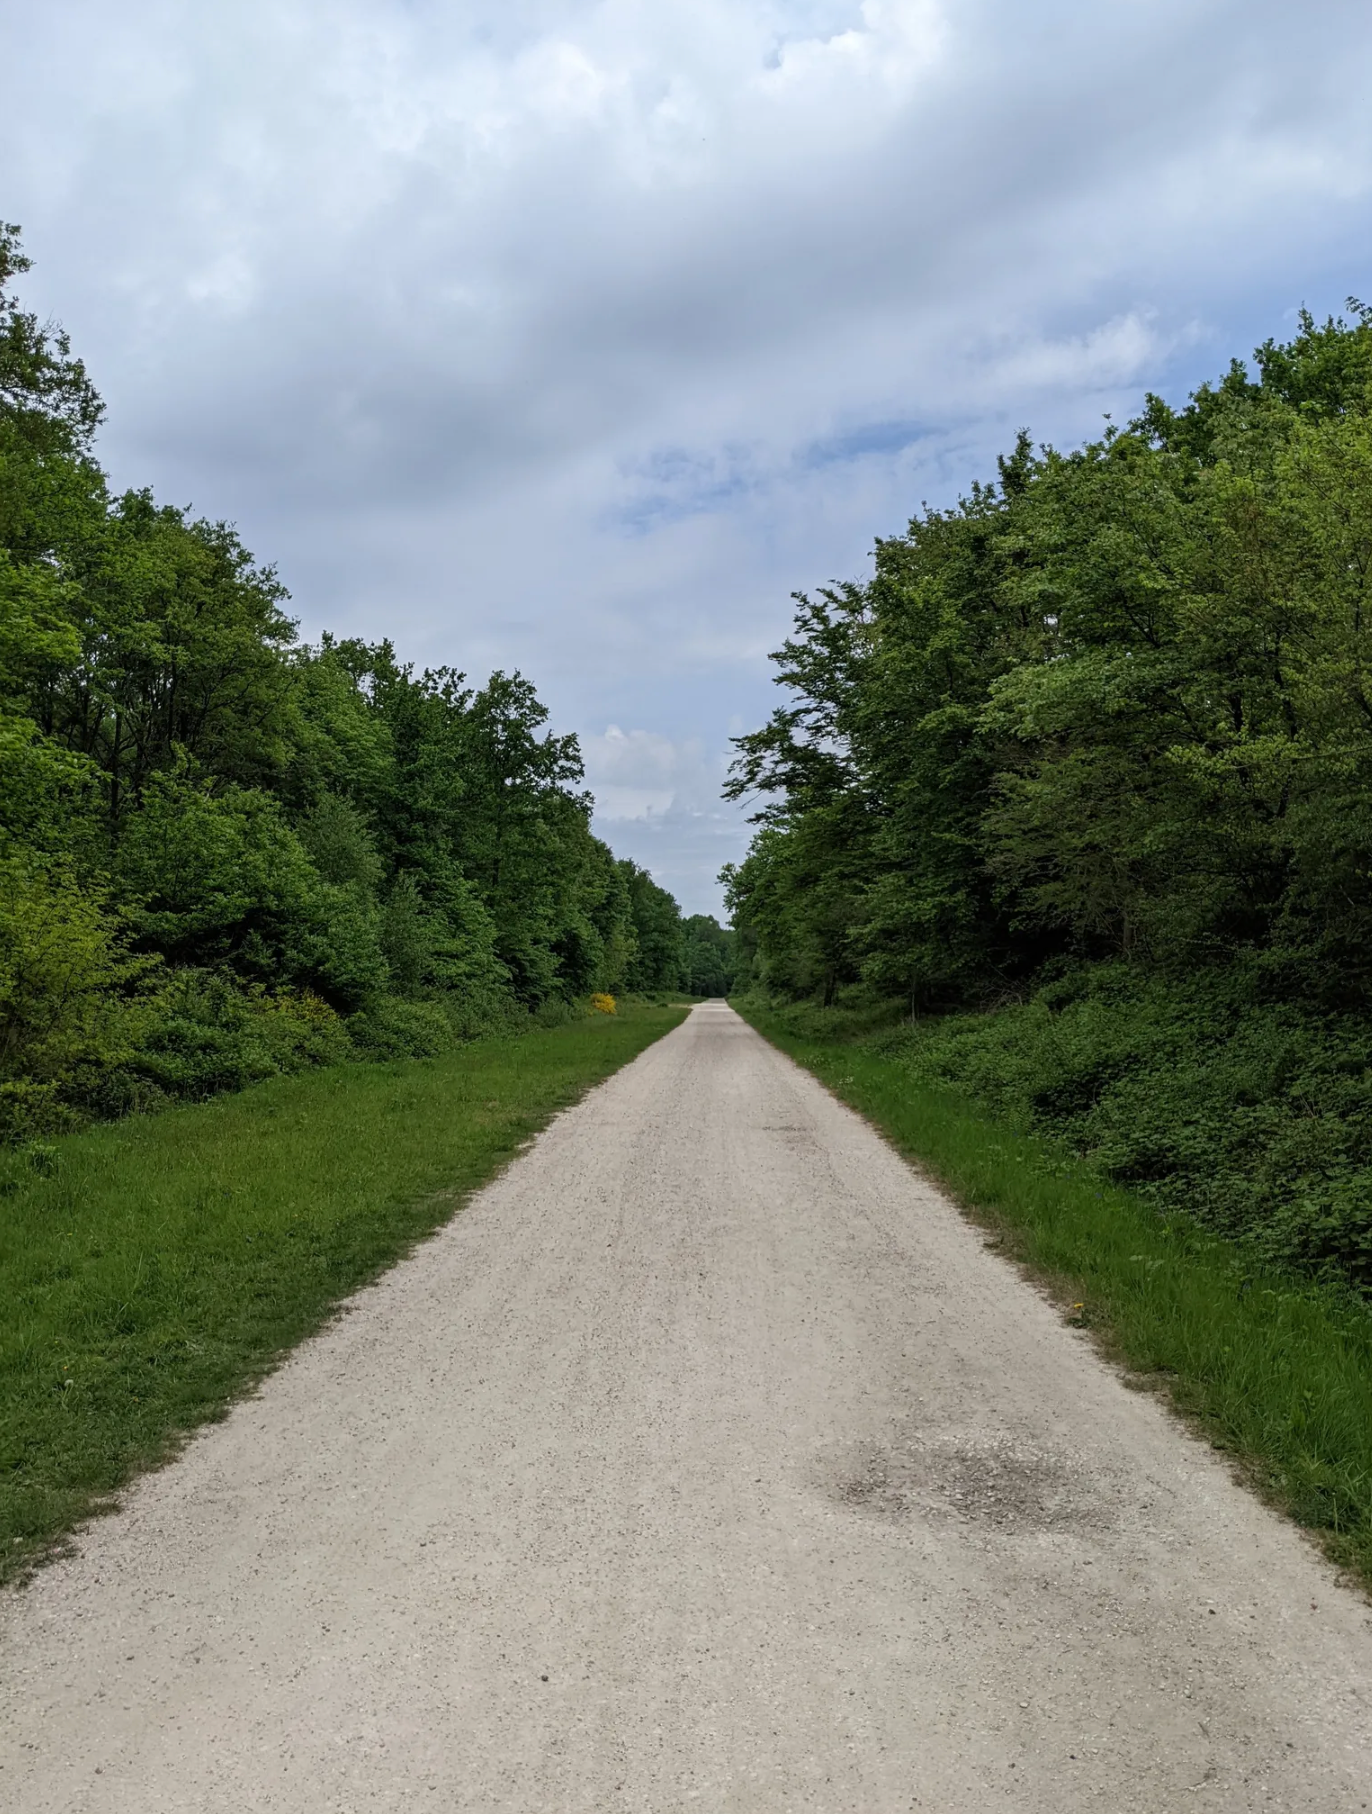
707	1461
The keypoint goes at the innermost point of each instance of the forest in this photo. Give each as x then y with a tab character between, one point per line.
1069	805
225	853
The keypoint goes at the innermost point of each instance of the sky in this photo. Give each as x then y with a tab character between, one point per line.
575	337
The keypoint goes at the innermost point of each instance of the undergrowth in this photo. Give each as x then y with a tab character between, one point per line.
1252	1117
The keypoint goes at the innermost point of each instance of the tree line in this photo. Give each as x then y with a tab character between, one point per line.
1117	703
1074	797
224	852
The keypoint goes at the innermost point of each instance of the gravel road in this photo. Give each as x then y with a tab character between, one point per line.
707	1460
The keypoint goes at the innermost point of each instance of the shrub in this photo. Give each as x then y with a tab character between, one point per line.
391	1028
1253	1117
66	980
206	1032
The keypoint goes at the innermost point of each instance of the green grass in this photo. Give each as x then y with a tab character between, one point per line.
1276	1372
157	1267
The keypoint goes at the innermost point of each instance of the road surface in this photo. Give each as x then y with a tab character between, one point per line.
707	1460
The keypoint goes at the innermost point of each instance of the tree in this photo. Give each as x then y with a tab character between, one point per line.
225	854
656	961
1115	704
708	956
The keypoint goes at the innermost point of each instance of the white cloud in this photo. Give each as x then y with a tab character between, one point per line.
683	849
635	773
574	334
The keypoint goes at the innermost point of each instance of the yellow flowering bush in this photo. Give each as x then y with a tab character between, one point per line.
603	1004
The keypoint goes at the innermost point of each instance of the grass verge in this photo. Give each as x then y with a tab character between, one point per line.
163	1264
1276	1373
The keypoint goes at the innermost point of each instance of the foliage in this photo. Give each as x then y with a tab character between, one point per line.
707	961
656	960
225	854
1113	710
64	977
49	413
395	1028
1256	1119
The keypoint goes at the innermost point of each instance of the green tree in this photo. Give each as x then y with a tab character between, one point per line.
50	486
657	956
1114	704
65	981
229	852
708	956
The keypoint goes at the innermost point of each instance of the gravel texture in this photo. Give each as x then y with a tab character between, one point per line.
708	1459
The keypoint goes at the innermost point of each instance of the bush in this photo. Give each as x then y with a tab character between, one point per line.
65	985
206	1032
391	1028
1253	1117
477	1013
555	1011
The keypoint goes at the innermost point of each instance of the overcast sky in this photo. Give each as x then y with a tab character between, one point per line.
574	337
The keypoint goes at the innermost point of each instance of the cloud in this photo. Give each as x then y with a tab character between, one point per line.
682	847
658	801
574	334
635	773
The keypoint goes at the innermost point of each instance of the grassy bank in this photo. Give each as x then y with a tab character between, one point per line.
153	1269
1276	1372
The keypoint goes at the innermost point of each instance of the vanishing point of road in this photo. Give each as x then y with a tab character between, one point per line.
707	1460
